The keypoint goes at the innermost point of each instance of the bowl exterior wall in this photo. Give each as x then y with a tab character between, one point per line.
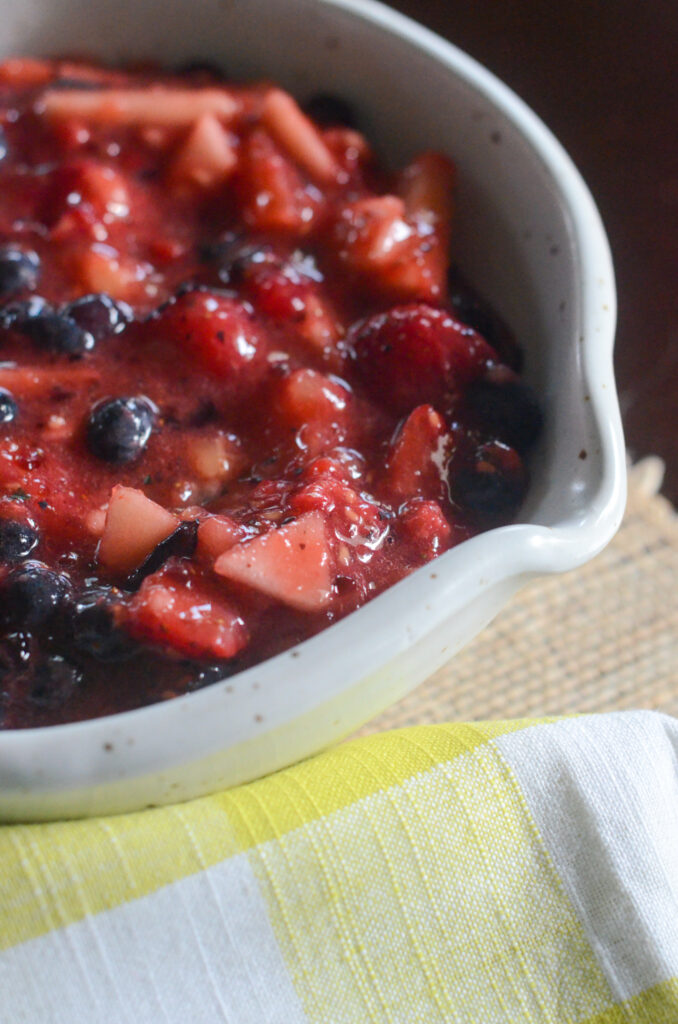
528	236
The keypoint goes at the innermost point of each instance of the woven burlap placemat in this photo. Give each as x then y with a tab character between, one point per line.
601	638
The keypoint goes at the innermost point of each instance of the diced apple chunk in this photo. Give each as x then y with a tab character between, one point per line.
291	564
217	534
207	157
216	457
95	521
134	526
102	269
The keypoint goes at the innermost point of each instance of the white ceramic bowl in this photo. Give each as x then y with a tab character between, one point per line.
528	236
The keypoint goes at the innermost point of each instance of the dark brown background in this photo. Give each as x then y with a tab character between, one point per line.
603	74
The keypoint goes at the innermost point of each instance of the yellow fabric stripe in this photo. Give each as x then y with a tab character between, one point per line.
434	900
282	802
657	1005
54	874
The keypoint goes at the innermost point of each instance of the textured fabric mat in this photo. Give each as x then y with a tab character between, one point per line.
516	872
601	638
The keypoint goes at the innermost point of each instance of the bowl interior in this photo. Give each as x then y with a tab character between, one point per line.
513	234
528	237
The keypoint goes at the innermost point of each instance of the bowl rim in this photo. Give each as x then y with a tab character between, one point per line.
471	568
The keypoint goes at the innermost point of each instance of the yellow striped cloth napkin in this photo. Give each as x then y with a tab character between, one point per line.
467	874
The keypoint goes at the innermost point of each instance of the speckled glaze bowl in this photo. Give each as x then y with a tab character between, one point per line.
528	235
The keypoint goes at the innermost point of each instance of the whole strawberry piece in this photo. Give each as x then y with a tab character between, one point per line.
219	334
417	354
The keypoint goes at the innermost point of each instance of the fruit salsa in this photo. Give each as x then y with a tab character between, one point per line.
241	390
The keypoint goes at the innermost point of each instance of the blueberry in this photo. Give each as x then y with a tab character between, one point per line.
207	675
4	148
507	410
19	269
93	627
119	428
181	543
16	651
8	406
32	594
17	540
53	680
56	332
472	310
233	257
99	315
493	486
16	314
328	110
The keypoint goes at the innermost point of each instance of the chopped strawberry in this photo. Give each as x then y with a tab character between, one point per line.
417	464
272	190
354	520
220	333
134	526
424	524
176	613
316	407
415	354
307	395
281	289
427	188
402	256
291	564
207	157
105	190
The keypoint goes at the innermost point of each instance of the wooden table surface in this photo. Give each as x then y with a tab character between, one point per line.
604	77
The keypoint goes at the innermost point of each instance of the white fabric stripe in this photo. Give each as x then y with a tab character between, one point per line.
604	793
201	949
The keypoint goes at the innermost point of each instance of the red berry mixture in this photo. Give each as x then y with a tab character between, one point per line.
241	390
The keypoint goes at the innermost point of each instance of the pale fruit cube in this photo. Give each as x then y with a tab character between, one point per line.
217	534
134	526
207	157
291	564
102	269
216	457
